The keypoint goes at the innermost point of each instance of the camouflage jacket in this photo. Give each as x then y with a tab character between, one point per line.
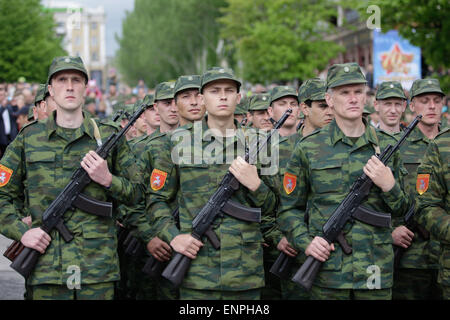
42	160
422	254
323	167
434	202
238	264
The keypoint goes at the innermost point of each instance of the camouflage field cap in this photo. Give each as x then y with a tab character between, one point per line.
346	73
164	90
148	100
281	92
187	82
242	107
312	89
67	63
41	93
218	73
368	109
259	102
30	116
425	86
390	89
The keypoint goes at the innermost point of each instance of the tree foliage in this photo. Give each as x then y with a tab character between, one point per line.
163	39
280	40
425	24
28	42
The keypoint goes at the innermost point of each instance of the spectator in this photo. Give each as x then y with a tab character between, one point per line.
8	126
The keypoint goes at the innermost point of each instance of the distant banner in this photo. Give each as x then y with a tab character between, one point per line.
395	59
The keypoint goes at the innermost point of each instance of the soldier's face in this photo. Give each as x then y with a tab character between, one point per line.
347	101
280	106
68	88
429	105
319	114
152	117
390	110
220	98
188	105
261	120
167	111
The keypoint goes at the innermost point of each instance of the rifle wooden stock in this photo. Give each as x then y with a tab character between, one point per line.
15	248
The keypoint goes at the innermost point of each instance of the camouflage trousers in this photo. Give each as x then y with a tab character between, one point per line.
446	292
192	294
98	291
416	284
319	293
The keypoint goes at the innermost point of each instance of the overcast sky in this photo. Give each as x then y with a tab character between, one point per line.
115	12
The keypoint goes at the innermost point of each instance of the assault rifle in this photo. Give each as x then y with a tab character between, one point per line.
350	208
70	197
218	204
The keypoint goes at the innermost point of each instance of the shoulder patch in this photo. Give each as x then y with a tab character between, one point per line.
158	179
5	175
289	182
423	181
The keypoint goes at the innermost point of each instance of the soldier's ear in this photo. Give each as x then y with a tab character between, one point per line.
375	106
50	90
239	98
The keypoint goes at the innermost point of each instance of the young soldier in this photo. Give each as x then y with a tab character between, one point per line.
311	96
39	110
166	108
390	103
235	270
241	111
186	93
416	275
433	185
318	176
41	160
258	106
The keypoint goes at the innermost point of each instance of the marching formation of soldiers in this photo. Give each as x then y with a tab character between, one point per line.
167	167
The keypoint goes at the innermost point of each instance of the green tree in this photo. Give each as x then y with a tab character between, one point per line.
425	24
280	39
163	39
28	41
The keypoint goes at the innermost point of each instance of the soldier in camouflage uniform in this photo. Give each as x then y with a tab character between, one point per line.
39	111
41	161
433	185
416	275
186	93
235	271
281	99
390	103
165	105
258	105
318	176
240	114
311	96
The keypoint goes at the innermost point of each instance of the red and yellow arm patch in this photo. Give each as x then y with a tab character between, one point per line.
5	175
423	181
158	179
289	182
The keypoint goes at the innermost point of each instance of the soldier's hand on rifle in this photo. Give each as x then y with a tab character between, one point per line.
245	173
186	245
36	239
97	169
320	249
380	174
159	249
402	237
284	246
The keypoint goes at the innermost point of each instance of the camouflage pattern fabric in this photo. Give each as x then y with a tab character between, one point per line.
279	92
259	102
101	291
323	167
187	82
312	89
434	201
218	73
347	73
416	284
200	295
390	89
42	93
242	107
42	160
319	293
66	63
164	90
238	264
421	86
